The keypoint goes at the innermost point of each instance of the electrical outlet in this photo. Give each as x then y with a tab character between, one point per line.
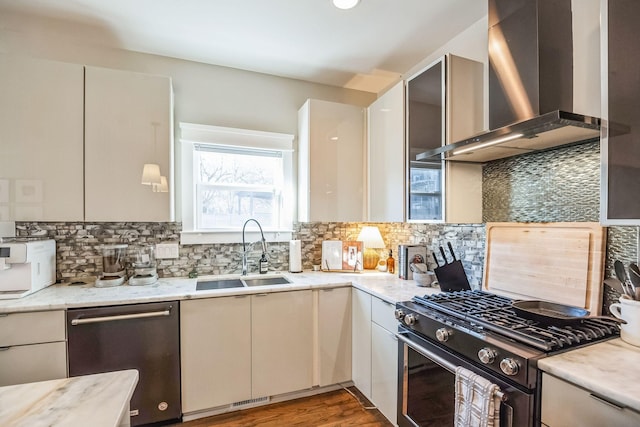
167	250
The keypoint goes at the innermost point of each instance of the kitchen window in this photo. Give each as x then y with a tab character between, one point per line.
230	175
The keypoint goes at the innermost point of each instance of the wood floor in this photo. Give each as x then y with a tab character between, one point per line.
334	409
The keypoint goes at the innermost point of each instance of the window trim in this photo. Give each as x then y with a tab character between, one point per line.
192	134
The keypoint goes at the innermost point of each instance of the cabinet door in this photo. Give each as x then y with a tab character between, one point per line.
41	165
282	342
386	156
334	336
620	148
331	162
444	105
564	404
215	352
361	342
384	371
34	362
128	122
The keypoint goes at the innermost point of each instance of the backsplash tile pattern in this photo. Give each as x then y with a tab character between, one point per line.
552	186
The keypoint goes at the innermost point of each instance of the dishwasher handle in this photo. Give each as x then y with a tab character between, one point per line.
86	320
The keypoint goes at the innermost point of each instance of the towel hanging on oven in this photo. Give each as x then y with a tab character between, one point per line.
477	400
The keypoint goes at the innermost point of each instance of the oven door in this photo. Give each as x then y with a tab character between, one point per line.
426	386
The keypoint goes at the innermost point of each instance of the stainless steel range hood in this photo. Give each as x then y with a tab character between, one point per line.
530	84
544	132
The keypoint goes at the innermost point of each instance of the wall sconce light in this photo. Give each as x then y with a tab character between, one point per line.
151	174
163	187
151	171
372	240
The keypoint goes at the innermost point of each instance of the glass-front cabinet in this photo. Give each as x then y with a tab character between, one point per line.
425	131
443	105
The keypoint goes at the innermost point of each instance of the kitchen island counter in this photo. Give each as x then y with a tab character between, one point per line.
100	400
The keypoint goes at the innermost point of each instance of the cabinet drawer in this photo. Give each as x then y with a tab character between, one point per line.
29	363
383	313
31	328
564	404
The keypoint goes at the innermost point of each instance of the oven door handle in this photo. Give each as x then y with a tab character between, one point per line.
426	353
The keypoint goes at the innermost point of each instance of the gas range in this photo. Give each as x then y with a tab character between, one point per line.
482	328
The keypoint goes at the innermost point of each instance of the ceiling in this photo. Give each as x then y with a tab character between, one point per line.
365	48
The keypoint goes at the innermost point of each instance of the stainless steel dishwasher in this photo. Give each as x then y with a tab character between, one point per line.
145	337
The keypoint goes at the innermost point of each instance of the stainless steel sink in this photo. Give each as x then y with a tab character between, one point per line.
207	285
263	281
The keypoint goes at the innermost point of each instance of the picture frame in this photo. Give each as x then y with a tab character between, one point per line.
352	255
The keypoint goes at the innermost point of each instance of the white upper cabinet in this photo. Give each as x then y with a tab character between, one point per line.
444	105
128	122
41	166
331	161
386	156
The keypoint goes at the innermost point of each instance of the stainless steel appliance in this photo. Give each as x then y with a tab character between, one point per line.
481	332
26	266
145	337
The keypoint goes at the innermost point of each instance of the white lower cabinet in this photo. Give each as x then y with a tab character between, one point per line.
375	352
564	404
282	342
32	347
215	352
239	348
334	336
361	341
384	359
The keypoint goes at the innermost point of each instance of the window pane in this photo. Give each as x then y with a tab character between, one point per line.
230	208
236	168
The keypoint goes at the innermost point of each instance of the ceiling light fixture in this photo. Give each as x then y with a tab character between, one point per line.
345	4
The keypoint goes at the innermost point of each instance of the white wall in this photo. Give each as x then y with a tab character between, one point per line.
203	93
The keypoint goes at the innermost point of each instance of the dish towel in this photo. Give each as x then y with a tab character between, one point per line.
477	403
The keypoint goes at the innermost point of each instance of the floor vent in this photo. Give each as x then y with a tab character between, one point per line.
250	402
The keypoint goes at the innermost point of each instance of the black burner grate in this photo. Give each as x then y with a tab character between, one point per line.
493	312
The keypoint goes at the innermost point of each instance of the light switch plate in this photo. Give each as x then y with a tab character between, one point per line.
167	250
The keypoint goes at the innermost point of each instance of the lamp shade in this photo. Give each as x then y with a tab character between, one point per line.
151	174
163	187
371	238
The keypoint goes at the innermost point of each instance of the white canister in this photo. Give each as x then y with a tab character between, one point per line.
629	311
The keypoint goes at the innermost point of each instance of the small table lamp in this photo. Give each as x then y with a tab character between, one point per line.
372	239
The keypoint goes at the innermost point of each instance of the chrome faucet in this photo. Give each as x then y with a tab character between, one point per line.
244	246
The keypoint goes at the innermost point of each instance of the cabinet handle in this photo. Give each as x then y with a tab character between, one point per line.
327	290
83	321
5	348
606	401
240	296
261	295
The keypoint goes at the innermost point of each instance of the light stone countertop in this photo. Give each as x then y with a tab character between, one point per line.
98	400
62	296
610	369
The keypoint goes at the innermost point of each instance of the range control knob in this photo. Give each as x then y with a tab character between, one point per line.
487	355
399	314
509	366
410	319
443	334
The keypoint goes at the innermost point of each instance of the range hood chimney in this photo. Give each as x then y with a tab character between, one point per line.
530	84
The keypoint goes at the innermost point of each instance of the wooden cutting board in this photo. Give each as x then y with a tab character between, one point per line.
562	262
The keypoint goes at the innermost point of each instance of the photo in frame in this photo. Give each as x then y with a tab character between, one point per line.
352	255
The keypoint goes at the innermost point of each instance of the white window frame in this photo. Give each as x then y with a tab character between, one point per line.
194	134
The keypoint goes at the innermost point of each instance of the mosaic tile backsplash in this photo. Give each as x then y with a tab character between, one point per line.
552	186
